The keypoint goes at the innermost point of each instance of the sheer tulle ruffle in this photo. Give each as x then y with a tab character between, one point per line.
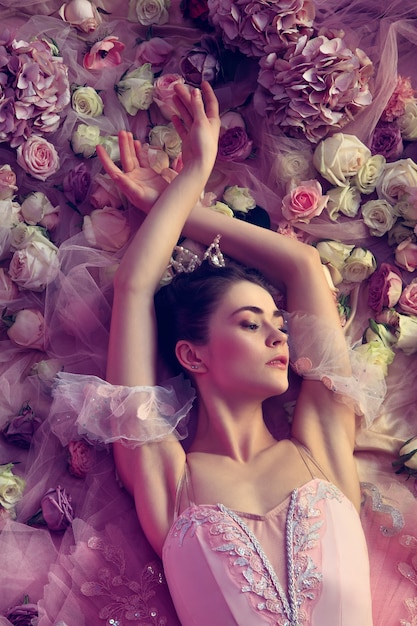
108	413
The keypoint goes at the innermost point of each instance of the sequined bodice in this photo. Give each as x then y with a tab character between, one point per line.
288	568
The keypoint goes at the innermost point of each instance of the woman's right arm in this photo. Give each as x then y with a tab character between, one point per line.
151	471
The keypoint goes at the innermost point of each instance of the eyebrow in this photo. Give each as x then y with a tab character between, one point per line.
256	310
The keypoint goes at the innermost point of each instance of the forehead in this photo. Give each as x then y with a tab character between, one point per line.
246	294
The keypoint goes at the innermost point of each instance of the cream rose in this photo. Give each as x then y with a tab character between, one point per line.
221	207
35	266
82	14
8	186
107	229
344	200
36	206
38	157
9	213
111	144
148	12
11	488
369	174
294	166
396	178
340	157
379	216
407	334
167	138
28	329
23	234
85	139
359	265
239	198
135	89
406	255
334	253
87	102
408	121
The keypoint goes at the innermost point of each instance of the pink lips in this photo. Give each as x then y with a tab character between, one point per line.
278	361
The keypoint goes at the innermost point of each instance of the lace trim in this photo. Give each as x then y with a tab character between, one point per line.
378	504
130	600
411	605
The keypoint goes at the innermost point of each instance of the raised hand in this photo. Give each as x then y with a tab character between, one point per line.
142	186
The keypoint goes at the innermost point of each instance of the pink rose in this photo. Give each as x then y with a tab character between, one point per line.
107	229
35	266
155	51
38	157
28	329
164	92
8	186
408	298
8	288
234	143
104	193
304	202
82	14
80	458
104	53
406	255
385	286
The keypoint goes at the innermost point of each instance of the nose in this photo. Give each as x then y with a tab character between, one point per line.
277	336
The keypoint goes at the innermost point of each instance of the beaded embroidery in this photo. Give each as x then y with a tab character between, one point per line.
248	560
131	601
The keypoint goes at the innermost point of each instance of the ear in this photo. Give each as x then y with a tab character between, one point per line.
188	356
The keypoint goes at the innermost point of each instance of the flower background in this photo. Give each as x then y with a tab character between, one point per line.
319	130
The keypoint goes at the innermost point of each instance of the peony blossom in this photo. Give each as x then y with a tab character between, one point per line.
28	329
340	157
384	287
82	14
107	229
8	186
304	202
104	53
38	157
87	102
148	12
408	299
135	89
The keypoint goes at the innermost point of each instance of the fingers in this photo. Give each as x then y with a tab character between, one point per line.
111	169
128	155
210	101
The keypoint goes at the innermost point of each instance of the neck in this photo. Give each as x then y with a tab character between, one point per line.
236	430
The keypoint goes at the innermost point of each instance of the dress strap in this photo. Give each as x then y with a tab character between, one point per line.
311	464
184	491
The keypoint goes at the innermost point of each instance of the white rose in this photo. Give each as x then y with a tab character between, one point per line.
35	206
111	145
295	166
167	138
345	200
11	487
46	370
408	121
379	216
407	337
239	198
135	89
221	207
9	213
34	266
334	252
379	332
85	139
86	101
395	179
377	353
369	174
340	157
148	12
359	265
23	234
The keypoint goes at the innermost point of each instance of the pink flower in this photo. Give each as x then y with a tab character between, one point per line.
82	14
402	94
201	62
38	157
23	614
104	193
107	229
155	51
8	186
408	298
77	183
384	287
104	53
35	265
8	288
234	143
304	202
406	255
164	92
28	329
80	458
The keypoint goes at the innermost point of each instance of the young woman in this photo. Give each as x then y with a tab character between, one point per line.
251	530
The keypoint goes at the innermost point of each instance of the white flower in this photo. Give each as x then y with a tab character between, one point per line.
23	234
221	207
85	139
377	353
135	89
407	337
379	216
111	145
167	138
35	206
239	198
359	265
369	174
86	101
34	266
334	252
148	12
396	178
344	200
408	121
340	157
11	488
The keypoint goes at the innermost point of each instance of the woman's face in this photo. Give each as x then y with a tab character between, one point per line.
247	351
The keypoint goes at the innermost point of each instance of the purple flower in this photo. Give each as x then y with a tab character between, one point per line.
56	508
20	430
201	62
77	183
386	140
234	145
23	614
